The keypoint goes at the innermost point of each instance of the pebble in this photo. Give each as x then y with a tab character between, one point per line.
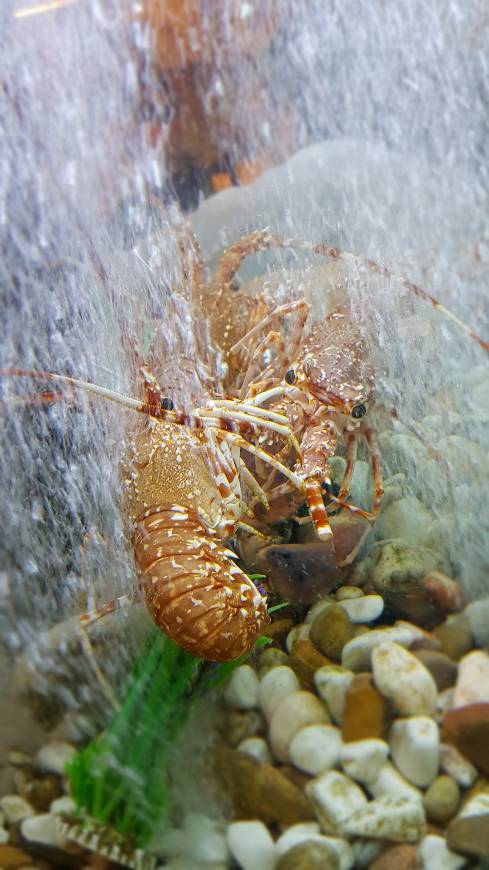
468	728
401	678
317	608
477	615
251	845
341	849
365	851
4	836
332	682
442	799
53	757
317	854
271	658
276	685
43	829
242	688
363	759
387	818
299	632
457	766
366	711
357	653
15	808
316	748
364	609
469	831
237	725
205	841
436	855
402	856
305	660
12	858
390	782
346	593
256	747
455	636
441	667
294	835
472	685
335	797
331	630
293	713
415	749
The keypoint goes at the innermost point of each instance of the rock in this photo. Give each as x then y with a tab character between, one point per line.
53	757
4	836
317	854
318	608
43	829
237	726
205	841
401	678
40	792
276	685
294	835
444	703
357	653
365	851
335	797
331	630
387	818
441	667
316	748
302	573
364	609
477	615
299	632
305	660
279	629
442	799
435	854
415	749
12	858
472	685
256	747
346	593
468	729
455	636
293	713
15	809
406	518
457	766
469	831
390	782
366	711
242	688
260	790
443	592
332	682
251	845
63	805
363	759
399	857
269	659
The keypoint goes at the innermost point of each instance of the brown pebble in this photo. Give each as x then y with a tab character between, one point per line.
442	798
310	855
237	725
402	856
42	792
279	630
11	858
468	729
442	668
331	630
455	636
260	791
271	658
470	833
367	713
305	660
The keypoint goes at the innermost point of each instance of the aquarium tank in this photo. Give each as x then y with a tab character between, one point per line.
244	404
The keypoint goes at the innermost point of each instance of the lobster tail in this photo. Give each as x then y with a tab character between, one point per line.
193	589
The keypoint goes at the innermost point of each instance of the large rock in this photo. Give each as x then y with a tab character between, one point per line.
401	678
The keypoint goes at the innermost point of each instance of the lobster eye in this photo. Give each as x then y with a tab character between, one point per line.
290	376
358	411
167	404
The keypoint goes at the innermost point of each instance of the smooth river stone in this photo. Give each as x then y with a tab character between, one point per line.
251	845
275	686
469	832
468	728
331	630
401	678
442	798
363	759
316	748
242	689
256	747
332	682
366	711
335	797
415	749
472	686
436	855
391	783
364	609
457	766
357	653
293	713
387	818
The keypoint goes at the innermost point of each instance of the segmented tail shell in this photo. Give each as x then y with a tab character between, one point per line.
193	589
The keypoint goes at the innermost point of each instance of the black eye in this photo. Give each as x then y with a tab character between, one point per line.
290	376
358	411
167	404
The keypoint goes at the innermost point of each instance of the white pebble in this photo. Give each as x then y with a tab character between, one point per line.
365	851
256	747
477	613
316	748
43	829
415	749
472	686
204	840
387	818
357	653
53	757
275	686
4	836
364	609
16	808
299	632
457	766
251	845
294	835
332	683
335	797
242	689
63	805
292	714
436	855
404	680
363	759
346	593
389	782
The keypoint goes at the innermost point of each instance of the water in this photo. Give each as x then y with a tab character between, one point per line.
386	106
